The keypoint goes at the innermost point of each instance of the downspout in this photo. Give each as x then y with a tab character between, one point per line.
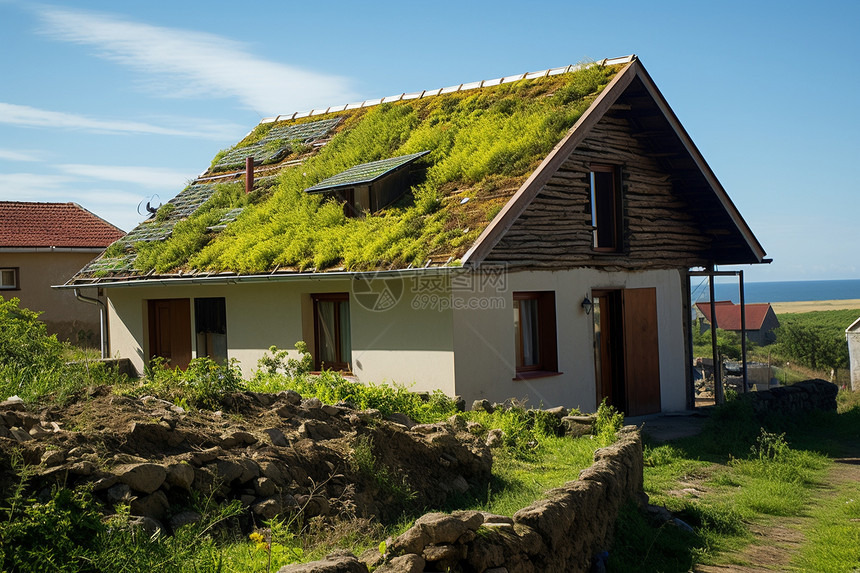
102	319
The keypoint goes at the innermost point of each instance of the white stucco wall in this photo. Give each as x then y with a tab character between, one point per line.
394	344
484	339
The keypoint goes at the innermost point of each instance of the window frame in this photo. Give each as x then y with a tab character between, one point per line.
17	276
344	364
605	240
547	336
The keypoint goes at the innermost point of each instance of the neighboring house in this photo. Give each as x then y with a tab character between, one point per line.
528	237
852	334
44	244
760	319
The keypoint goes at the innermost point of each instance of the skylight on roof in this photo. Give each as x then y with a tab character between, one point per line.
364	173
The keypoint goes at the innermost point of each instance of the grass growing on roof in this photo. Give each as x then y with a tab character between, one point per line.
481	142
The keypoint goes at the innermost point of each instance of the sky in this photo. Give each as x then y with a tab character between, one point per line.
116	104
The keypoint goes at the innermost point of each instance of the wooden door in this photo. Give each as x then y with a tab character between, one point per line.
641	351
170	330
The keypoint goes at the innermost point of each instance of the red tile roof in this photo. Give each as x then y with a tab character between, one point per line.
729	314
53	225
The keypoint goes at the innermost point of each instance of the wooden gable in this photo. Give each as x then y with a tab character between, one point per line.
673	214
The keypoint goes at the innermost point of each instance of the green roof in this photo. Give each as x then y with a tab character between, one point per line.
479	142
365	173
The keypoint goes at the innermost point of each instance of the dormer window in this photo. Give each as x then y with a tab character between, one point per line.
369	187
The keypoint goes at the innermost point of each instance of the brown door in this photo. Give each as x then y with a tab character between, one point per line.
627	349
170	330
641	351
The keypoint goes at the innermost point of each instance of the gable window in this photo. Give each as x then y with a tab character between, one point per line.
210	325
9	279
605	208
534	332
332	342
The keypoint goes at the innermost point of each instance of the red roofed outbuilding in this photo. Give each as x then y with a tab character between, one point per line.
760	319
45	244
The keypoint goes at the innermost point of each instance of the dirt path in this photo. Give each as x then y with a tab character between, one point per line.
776	544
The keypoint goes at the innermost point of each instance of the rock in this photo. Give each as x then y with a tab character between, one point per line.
143	477
409	563
13	403
444	553
184	518
401	419
264	487
38	432
460	485
250	470
267	508
312	403
482	406
335	563
271	471
180	475
316	430
148	525
458	423
291	396
53	458
82	468
495	438
559	411
277	437
228	471
20	435
206	456
154	505
119	492
330	410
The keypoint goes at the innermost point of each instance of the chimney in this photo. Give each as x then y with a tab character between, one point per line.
249	174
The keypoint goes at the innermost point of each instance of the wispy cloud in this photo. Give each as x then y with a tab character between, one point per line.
187	63
17	155
26	116
150	177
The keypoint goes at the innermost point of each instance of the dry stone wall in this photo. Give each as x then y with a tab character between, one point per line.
560	533
795	399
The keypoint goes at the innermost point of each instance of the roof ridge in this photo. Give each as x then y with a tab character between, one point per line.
451	89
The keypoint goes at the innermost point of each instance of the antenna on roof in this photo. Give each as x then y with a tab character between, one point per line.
149	208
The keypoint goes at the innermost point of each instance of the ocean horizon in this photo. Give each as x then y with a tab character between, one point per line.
781	291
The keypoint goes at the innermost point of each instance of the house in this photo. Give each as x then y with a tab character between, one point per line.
525	237
43	244
760	319
852	334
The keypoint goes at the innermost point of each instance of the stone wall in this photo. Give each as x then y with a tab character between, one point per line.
560	533
795	399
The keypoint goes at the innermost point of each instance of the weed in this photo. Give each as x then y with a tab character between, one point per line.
607	423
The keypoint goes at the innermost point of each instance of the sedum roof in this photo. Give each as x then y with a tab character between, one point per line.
479	143
60	225
478	155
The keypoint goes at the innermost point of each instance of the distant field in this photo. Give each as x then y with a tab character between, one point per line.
813	305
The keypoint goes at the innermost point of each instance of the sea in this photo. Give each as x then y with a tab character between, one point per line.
781	291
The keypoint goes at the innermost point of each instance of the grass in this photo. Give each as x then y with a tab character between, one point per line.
740	472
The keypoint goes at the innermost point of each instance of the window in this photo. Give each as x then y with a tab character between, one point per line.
605	208
9	279
210	324
332	343
534	332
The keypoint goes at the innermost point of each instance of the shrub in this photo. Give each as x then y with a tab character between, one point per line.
607	423
202	384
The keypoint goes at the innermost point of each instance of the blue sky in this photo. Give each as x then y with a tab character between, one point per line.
110	103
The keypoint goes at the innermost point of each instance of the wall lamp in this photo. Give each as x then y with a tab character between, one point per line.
587	305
